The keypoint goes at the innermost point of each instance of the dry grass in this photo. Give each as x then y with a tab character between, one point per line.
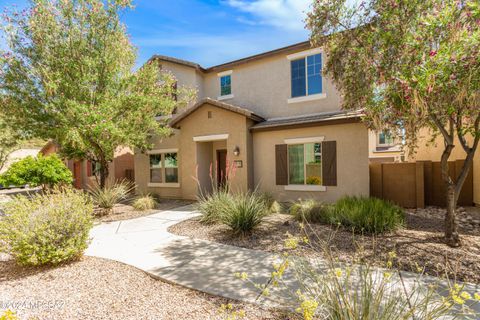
420	243
95	288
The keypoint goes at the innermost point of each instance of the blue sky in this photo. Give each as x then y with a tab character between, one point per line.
211	32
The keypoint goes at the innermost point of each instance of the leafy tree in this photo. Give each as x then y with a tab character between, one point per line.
411	64
69	76
9	141
42	171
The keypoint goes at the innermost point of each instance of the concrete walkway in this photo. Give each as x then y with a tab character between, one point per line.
202	265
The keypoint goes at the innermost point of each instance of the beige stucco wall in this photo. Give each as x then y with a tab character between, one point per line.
192	153
352	160
428	150
373	153
264	86
142	167
187	77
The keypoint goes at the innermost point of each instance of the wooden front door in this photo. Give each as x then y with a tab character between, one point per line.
77	174
221	168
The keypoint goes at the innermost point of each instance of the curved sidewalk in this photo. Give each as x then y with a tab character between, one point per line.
202	265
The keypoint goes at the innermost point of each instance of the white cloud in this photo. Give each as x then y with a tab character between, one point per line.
285	14
209	49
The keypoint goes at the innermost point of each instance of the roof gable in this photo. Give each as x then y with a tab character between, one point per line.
222	105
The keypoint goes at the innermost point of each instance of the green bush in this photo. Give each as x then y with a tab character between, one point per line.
48	228
369	215
210	205
243	212
307	210
42	171
143	203
110	195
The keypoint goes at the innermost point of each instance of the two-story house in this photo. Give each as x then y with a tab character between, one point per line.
270	121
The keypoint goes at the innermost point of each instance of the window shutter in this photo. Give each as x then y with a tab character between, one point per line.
281	168
329	163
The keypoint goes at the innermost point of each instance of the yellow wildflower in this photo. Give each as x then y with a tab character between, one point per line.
465	295
387	275
338	272
291	243
457	299
389	264
308	308
477	296
266	292
392	255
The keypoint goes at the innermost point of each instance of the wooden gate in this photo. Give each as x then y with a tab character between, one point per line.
416	184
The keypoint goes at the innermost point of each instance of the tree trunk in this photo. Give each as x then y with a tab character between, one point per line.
103	173
451	234
452	237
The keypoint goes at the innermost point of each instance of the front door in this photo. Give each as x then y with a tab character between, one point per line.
221	168
77	174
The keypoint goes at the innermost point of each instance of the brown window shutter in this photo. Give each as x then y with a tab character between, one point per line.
281	167
329	163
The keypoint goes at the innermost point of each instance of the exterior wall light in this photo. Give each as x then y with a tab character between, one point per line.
236	151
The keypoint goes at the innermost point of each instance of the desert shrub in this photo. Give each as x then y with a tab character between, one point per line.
307	210
210	205
273	205
243	212
146	202
42	171
323	287
370	215
110	195
48	228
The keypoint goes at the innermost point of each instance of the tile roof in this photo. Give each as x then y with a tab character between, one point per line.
226	106
309	119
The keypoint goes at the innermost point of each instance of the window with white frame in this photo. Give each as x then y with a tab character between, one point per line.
164	167
225	85
385	139
306	75
305	164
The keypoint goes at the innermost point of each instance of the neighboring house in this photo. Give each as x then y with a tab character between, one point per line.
84	171
383	147
274	117
19	155
432	151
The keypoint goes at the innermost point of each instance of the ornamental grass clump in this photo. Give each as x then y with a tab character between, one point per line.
210	206
244	211
48	228
307	210
361	214
146	202
106	198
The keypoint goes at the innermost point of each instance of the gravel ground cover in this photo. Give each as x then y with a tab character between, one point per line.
94	288
418	245
126	211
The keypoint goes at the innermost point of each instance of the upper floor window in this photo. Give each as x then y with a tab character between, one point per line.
385	139
225	79
306	74
225	85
